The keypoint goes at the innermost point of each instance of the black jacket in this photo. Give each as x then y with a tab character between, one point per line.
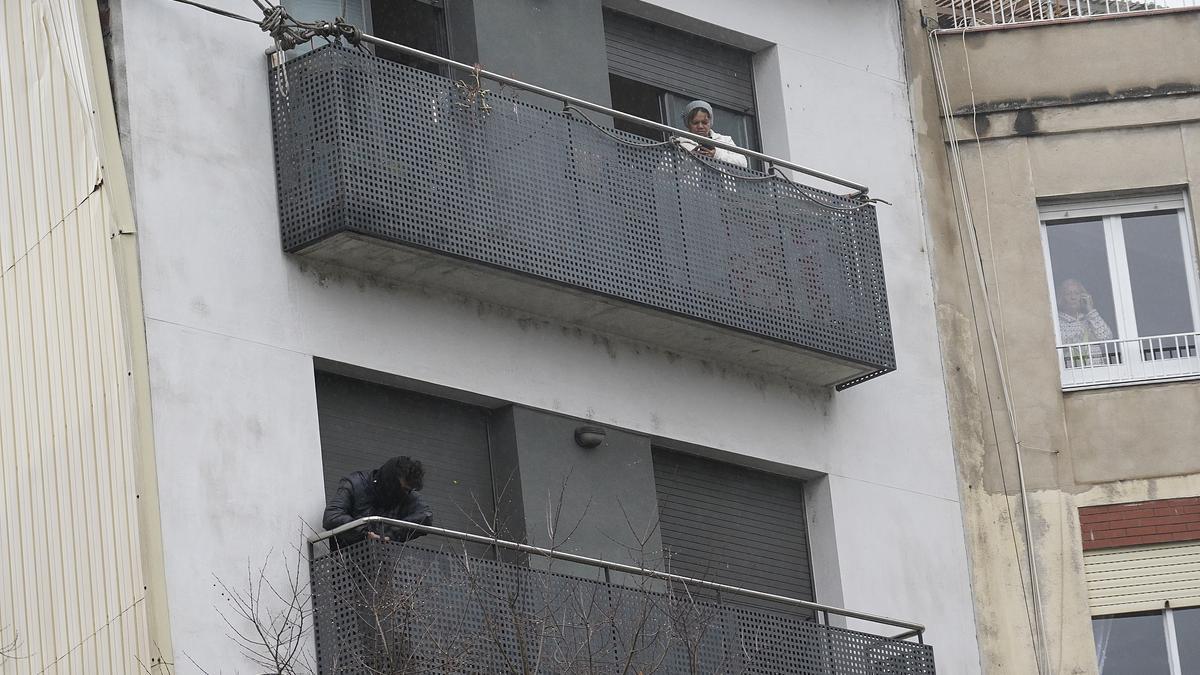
356	498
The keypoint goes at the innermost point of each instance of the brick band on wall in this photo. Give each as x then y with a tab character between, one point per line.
1152	522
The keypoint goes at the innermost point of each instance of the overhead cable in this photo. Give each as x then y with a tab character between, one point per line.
1037	625
220	12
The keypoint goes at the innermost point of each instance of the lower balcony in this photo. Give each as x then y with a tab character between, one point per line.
411	177
385	607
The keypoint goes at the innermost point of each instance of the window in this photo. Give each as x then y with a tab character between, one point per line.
1145	605
1122	277
665	107
420	24
363	424
1149	643
654	71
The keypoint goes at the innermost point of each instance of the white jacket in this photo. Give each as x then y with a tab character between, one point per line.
727	156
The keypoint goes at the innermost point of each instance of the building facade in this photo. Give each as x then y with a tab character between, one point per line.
1060	173
312	304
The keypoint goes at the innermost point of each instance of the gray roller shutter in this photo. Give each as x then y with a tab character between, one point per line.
679	62
363	424
725	523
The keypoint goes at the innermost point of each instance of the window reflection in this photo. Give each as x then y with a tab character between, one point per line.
1158	273
1187	636
1079	260
1131	644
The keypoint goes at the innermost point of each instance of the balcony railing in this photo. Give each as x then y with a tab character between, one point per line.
975	13
414	177
408	608
1116	362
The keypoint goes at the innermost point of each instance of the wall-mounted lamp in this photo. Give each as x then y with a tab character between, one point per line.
589	437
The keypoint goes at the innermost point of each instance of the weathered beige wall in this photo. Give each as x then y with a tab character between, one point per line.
72	587
1076	61
1074	109
1109	447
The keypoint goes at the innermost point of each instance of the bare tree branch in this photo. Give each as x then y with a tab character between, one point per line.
401	608
271	631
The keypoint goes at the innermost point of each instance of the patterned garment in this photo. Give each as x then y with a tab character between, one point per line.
1090	327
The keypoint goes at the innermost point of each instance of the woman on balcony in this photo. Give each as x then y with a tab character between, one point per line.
698	116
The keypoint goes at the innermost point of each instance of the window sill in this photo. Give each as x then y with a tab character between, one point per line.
1130	383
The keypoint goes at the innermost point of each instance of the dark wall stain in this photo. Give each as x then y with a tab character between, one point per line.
1025	124
982	123
1082	98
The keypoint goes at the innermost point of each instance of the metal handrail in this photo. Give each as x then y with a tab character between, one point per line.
1004	14
858	188
913	629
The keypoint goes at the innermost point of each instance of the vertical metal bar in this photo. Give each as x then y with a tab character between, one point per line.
1172	639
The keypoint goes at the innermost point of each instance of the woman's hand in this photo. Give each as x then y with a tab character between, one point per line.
705	151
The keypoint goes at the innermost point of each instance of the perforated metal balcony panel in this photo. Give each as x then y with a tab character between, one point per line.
397	173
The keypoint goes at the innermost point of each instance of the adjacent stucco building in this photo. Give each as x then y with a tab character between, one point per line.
1060	162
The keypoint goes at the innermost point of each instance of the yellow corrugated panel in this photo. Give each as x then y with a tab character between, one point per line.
1142	578
71	580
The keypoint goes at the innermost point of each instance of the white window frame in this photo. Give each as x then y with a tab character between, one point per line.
1132	369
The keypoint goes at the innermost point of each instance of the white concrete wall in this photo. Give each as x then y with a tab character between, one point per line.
233	324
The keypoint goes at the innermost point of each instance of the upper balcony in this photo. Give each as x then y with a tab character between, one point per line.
409	176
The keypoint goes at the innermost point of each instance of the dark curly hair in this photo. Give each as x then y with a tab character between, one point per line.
397	468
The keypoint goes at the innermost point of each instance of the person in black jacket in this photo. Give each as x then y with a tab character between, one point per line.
391	491
378	603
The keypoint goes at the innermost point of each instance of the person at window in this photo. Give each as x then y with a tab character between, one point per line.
698	118
391	491
1079	322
